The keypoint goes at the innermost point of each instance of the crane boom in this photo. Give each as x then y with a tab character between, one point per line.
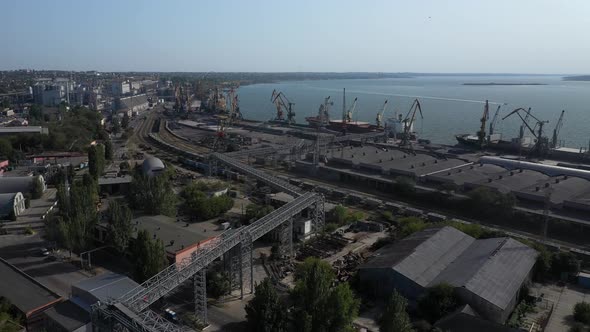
379	119
556	130
283	104
409	122
494	119
350	112
481	134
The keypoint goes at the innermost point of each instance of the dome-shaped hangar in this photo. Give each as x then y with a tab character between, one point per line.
152	166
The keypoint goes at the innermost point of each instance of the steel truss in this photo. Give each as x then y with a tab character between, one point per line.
159	285
270	180
200	293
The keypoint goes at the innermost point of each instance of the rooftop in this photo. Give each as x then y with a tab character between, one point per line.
176	236
68	315
107	286
28	295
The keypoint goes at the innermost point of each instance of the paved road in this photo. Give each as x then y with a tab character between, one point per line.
23	252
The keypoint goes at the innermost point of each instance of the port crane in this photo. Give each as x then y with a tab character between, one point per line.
283	104
481	134
494	120
350	111
408	123
541	146
379	119
556	130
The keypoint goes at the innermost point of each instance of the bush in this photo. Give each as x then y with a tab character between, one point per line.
29	230
577	327
437	302
582	312
410	225
330	227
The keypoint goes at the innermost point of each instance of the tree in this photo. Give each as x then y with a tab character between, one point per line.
490	203
125	121
395	318
35	113
108	149
265	312
404	186
341	216
203	207
255	211
565	262
124	166
218	284
96	160
437	302
38	188
319	307
73	225
120	229
582	312
116	125
6	150
150	257
153	194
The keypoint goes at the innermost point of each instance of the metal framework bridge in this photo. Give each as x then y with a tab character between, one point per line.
131	311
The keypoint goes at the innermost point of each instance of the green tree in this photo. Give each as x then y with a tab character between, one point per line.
96	160
410	225
203	207
124	166
35	113
565	262
404	186
73	225
116	125
108	149
490	203
218	284
120	229
340	215
319	307
153	194
125	121
582	312
38	188
437	302
150	257
266	312
6	150
255	211
395	318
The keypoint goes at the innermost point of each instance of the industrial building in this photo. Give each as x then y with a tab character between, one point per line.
73	315
22	184
152	166
132	105
29	297
11	204
180	239
487	274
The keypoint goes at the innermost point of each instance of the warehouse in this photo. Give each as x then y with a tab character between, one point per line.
22	184
487	274
12	204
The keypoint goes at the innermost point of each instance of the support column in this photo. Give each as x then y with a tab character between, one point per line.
200	292
286	238
318	214
246	266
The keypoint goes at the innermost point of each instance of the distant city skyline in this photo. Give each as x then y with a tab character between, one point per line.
457	36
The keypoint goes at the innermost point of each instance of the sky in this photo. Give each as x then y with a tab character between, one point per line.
442	36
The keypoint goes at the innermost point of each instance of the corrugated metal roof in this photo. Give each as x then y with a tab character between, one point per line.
503	273
493	269
23	184
107	286
434	255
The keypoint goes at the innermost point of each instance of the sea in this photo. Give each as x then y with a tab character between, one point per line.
449	107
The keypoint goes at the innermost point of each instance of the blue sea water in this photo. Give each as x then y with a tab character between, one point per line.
449	107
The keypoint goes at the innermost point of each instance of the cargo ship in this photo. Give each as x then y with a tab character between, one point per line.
346	124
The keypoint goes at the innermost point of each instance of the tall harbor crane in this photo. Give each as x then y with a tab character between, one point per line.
541	147
525	121
283	104
556	130
481	133
379	119
408	123
494	120
349	113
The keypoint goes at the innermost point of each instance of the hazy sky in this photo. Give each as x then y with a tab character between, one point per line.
523	36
